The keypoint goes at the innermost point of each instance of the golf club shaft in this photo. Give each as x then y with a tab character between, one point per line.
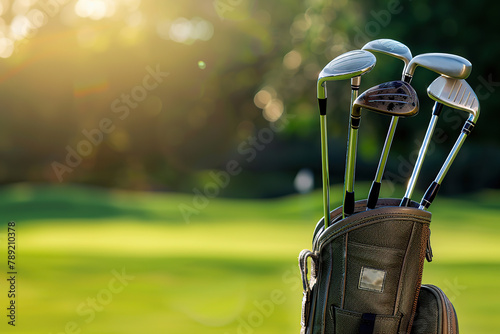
375	189
324	166
431	192
352	143
421	154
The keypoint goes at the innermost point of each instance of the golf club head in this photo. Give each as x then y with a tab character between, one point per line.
390	47
394	98
455	93
346	66
443	63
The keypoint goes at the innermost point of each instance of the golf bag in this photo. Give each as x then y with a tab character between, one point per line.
366	273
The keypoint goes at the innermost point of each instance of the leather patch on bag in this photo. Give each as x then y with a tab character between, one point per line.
372	279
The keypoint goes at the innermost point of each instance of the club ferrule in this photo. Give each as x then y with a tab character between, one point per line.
349	203
438	108
405	202
355	121
468	127
430	194
322	106
355	82
373	196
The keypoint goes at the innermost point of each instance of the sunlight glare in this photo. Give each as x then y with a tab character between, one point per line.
6	47
95	9
4	5
20	27
185	31
181	30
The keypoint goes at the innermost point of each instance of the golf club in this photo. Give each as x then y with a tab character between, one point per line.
459	95
398	50
445	64
395	98
350	65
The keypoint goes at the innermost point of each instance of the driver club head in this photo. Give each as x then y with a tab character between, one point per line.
346	66
454	93
390	47
393	98
443	63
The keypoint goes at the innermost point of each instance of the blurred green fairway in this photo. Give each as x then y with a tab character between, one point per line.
231	269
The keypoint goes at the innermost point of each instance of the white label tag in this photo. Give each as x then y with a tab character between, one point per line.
372	279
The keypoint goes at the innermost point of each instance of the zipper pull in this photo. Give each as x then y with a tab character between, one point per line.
428	252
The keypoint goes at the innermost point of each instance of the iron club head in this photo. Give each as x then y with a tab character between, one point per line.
443	63
346	66
394	98
454	93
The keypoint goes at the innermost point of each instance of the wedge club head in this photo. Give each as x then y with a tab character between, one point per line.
456	94
394	98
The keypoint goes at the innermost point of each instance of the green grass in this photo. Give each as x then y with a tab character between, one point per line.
231	269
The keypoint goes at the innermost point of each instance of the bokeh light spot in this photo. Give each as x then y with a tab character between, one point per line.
180	30
304	181
153	105
95	9
6	47
273	111
292	60
202	65
119	140
262	98
185	31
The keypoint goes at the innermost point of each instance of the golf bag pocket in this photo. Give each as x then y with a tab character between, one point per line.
346	322
435	313
366	271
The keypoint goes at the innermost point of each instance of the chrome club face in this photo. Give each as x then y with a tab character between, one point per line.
390	47
346	66
454	93
443	63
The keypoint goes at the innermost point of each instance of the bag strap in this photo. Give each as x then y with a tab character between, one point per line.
303	256
367	323
306	284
